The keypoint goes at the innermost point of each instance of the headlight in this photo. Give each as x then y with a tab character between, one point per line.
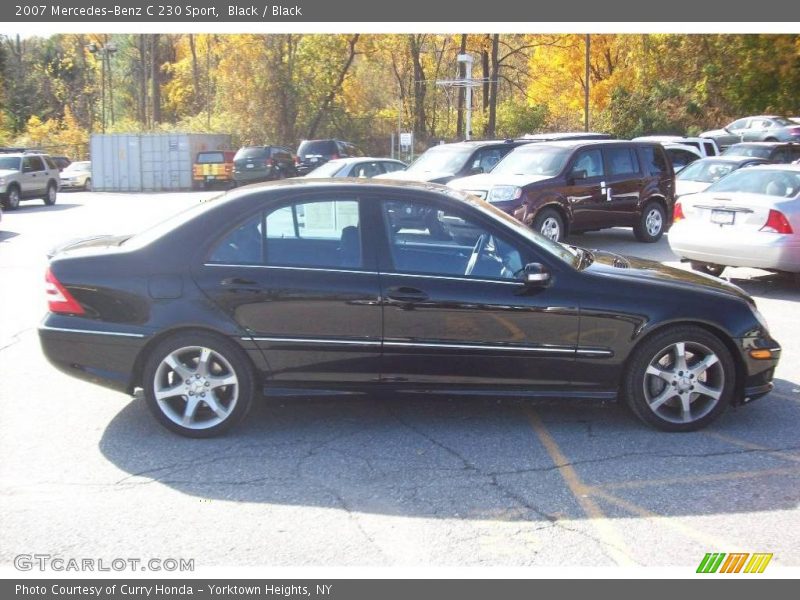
2	180
503	193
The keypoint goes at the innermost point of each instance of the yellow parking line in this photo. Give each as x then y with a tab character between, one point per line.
616	545
751	446
732	476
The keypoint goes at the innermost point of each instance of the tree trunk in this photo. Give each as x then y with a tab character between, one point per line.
420	86
336	88
155	78
143	80
195	73
494	75
485	74
461	91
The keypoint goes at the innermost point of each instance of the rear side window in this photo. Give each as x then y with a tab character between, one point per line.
51	164
391	167
654	160
242	246
710	150
32	163
251	152
205	158
622	161
318	148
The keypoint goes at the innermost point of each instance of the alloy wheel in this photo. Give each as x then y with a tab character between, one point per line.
684	382
654	222
551	229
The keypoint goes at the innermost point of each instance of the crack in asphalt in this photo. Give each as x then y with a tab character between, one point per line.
15	338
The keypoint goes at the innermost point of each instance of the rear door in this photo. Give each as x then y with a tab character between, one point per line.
34	177
625	183
297	277
586	190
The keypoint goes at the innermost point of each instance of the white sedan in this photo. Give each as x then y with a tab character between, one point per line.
77	175
750	218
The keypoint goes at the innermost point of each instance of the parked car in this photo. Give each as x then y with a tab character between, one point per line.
27	175
751	218
681	155
705	146
558	188
308	286
262	163
771	151
213	167
357	167
704	172
77	175
769	128
442	163
62	162
313	153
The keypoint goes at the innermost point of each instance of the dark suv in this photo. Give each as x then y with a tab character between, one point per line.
775	152
313	153
557	188
442	163
262	163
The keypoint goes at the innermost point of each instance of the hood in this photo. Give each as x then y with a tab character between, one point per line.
684	187
486	181
7	172
423	176
85	243
630	267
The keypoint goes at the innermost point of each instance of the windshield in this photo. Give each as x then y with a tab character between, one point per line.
779	183
706	171
748	150
441	159
555	249
79	166
205	158
329	169
533	160
10	163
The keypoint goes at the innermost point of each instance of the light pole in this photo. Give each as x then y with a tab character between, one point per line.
103	53
467	60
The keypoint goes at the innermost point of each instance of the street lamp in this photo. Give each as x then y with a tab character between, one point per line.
467	83
103	53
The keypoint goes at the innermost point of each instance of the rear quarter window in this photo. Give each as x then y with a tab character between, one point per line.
622	161
654	160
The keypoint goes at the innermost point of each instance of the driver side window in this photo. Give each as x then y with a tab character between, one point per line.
425	240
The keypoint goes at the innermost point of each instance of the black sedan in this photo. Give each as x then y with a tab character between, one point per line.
309	286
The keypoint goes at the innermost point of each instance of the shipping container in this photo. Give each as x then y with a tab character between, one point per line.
149	162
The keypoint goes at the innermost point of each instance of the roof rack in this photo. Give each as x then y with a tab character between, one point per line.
10	150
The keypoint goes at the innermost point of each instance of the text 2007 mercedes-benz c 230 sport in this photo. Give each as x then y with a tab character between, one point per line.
321	285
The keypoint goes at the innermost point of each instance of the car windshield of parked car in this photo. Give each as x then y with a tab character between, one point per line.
748	150
533	160
329	169
9	163
206	158
706	171
779	183
78	167
441	159
557	250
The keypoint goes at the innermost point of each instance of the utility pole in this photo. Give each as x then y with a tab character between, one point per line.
467	60
103	54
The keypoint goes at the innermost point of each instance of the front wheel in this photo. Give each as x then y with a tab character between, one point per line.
198	384
12	198
550	224
680	380
650	227
50	195
708	268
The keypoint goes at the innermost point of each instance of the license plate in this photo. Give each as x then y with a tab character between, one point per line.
250	165
313	159
210	177
722	217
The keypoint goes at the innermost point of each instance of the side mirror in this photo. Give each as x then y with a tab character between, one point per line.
535	274
578	175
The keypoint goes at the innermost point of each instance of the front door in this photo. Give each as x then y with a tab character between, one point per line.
455	311
34	177
298	279
625	181
587	191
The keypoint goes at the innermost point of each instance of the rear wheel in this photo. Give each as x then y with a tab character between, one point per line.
198	384
680	380
50	194
550	224
650	227
11	201
708	268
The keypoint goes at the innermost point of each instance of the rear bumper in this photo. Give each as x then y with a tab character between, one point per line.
106	358
724	246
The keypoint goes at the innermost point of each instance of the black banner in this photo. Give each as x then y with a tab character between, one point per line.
360	11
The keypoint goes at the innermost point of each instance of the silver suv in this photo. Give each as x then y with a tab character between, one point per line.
27	175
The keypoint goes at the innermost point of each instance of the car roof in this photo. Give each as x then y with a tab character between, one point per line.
733	158
357	159
792	168
568	144
764	144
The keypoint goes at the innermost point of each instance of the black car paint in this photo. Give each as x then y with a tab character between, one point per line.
344	331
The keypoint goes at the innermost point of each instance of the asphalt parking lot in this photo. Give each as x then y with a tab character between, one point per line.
378	481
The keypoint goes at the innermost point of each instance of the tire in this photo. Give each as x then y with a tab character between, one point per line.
548	222
708	268
658	390
11	201
175	383
651	224
87	185
50	195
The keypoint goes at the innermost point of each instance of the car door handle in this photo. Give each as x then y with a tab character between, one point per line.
406	294
237	281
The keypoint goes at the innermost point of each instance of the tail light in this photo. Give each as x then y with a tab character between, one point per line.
334	156
297	160
59	300
777	223
268	162
677	213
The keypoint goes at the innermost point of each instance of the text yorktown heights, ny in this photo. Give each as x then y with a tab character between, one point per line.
156	590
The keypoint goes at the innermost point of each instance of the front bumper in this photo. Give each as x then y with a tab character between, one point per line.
724	246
